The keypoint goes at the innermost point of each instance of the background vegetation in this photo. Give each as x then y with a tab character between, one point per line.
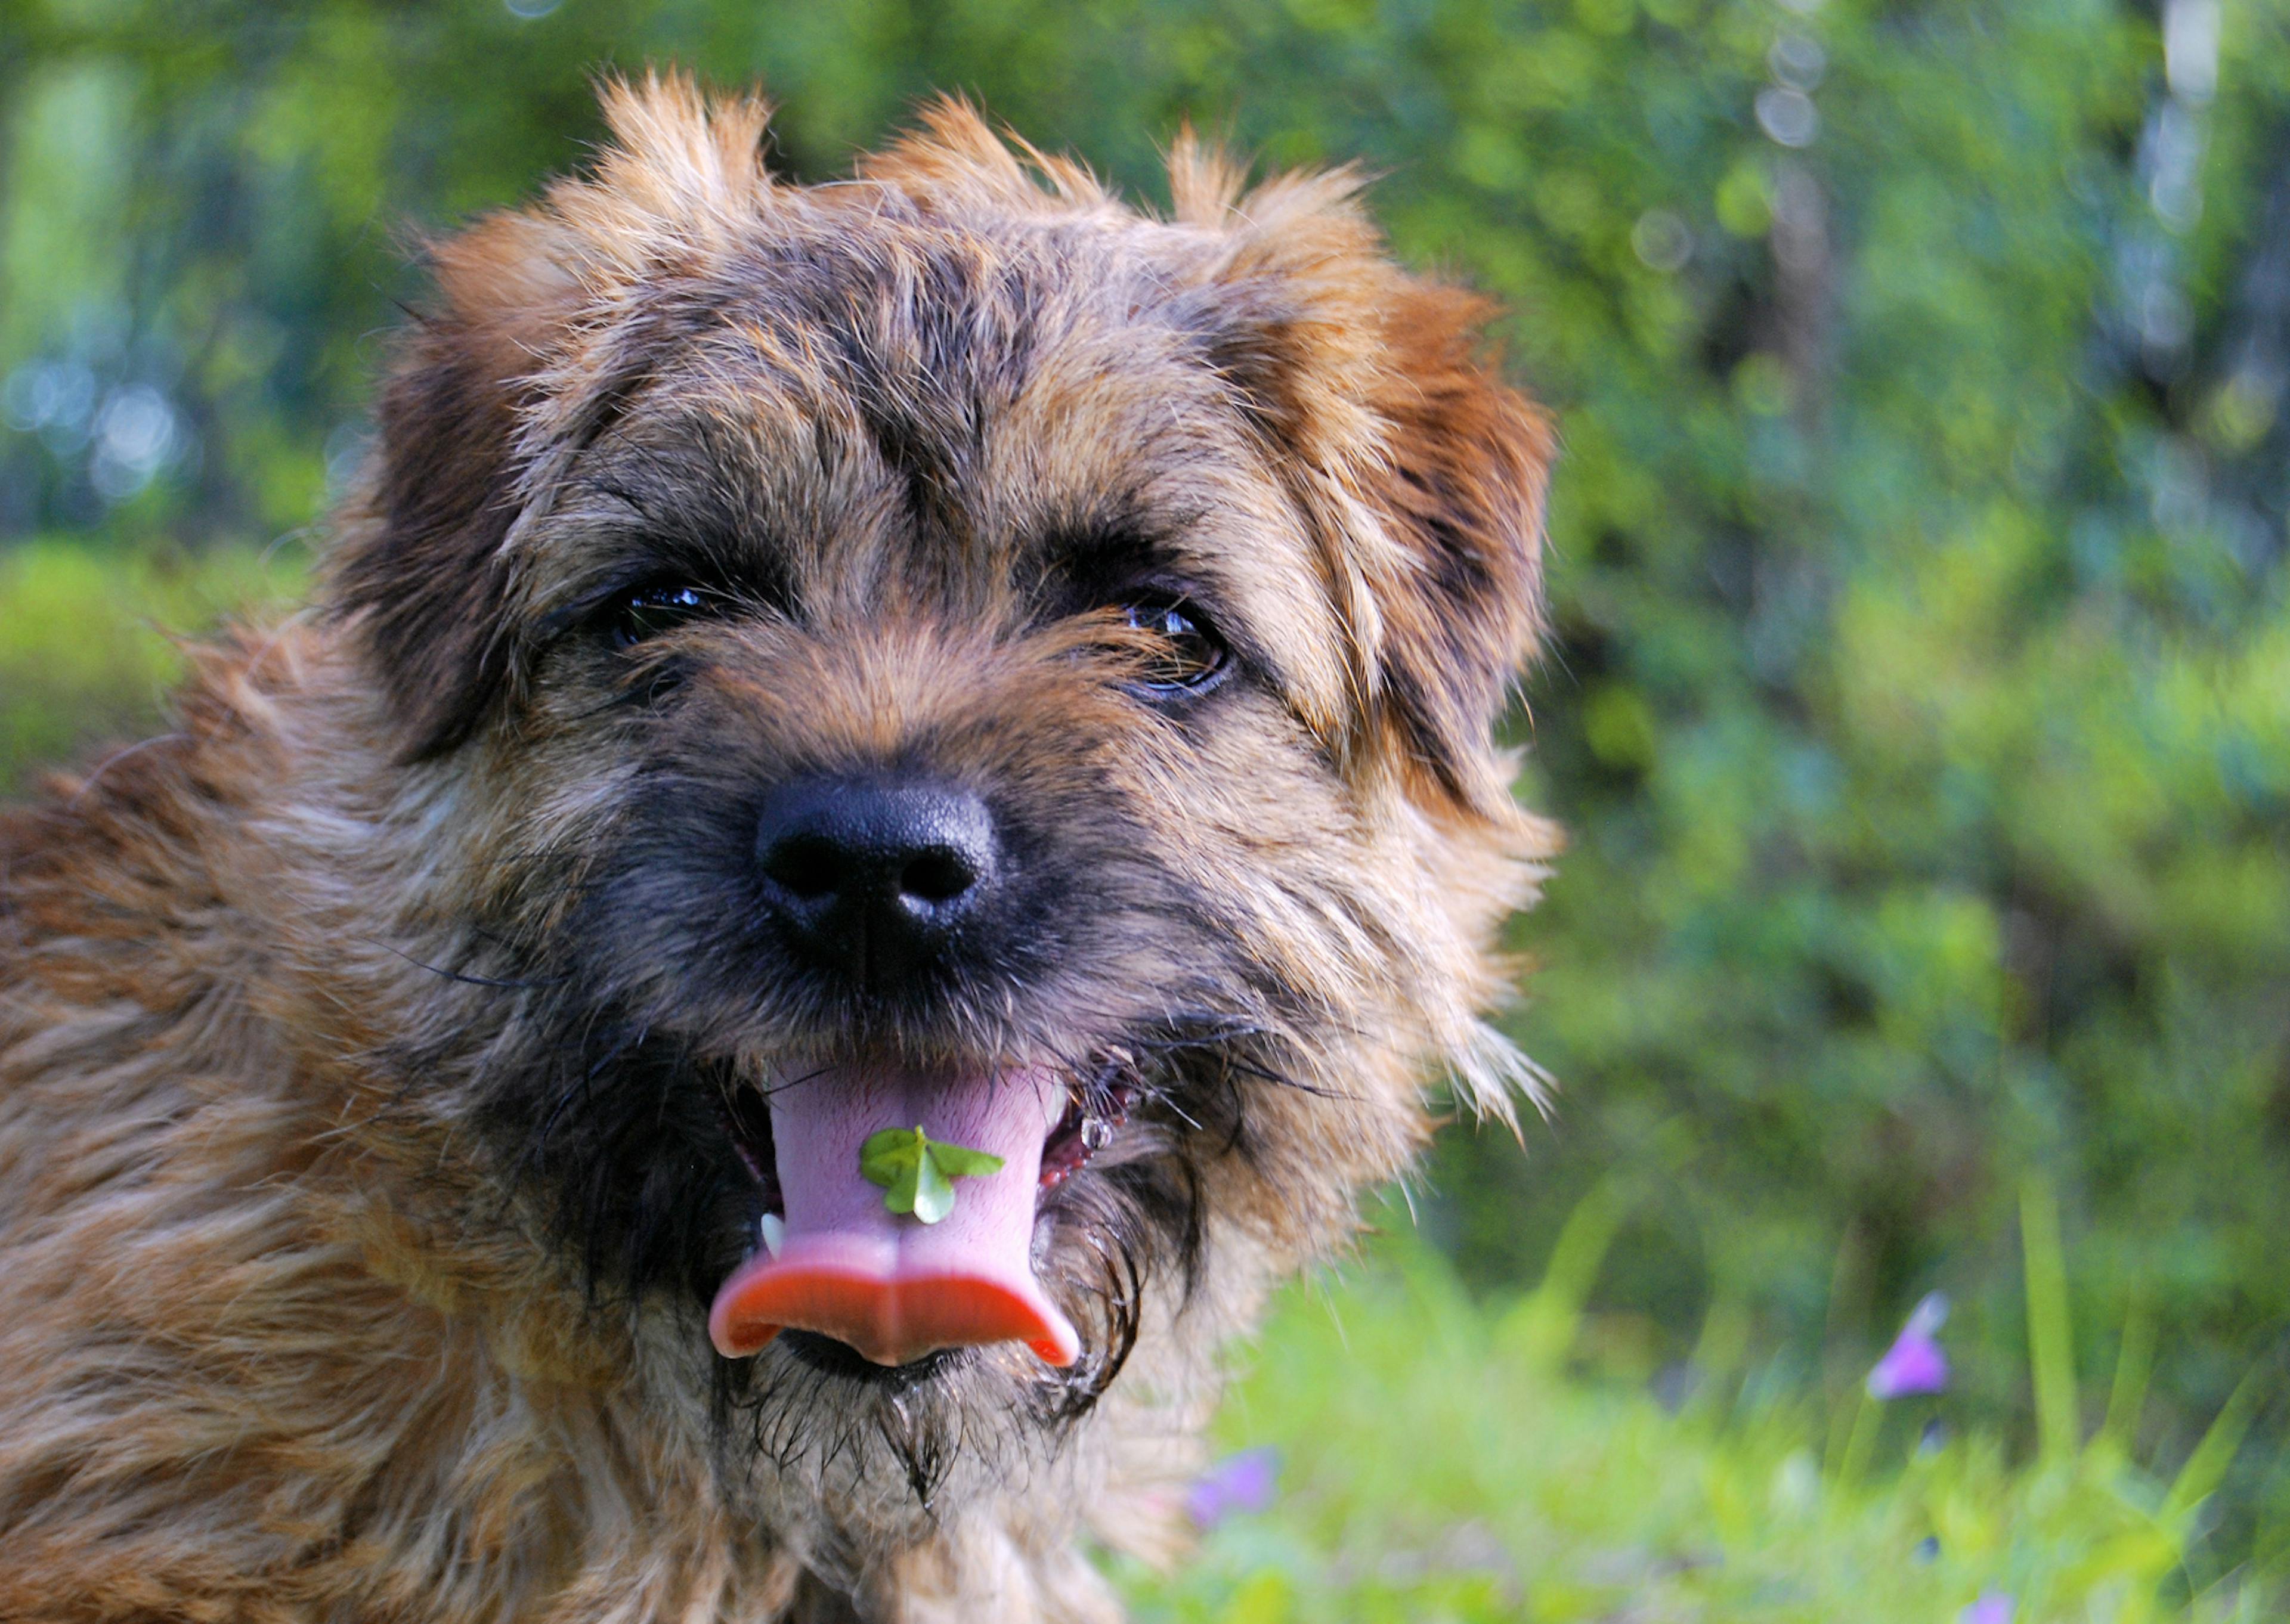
1920	700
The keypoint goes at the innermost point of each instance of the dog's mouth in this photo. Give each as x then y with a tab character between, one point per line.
898	1210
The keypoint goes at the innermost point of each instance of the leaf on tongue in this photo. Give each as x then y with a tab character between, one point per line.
917	1173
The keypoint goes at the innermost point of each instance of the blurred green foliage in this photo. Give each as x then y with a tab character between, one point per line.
88	636
1918	697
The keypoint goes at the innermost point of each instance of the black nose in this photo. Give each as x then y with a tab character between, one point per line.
873	880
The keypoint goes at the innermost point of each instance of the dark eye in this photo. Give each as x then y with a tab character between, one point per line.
1188	655
646	612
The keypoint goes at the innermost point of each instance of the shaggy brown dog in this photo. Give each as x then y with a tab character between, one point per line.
942	650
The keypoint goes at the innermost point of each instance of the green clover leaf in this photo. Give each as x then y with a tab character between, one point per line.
918	1174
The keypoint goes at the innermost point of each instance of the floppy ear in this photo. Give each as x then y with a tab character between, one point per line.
1424	472
1459	486
541	329
422	574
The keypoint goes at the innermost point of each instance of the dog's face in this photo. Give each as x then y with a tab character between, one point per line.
943	647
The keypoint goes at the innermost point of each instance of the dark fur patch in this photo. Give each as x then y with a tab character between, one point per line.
429	590
1463	485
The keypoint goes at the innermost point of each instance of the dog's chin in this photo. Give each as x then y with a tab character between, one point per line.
829	1357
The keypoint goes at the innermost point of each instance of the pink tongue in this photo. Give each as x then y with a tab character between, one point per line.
885	1282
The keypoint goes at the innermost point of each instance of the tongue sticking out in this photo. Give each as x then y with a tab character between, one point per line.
885	1282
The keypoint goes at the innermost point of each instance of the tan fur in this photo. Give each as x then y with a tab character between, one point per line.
283	1332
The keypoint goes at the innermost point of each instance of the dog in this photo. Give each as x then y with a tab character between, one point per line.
886	807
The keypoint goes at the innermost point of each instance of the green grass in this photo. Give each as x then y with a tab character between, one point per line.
1448	1461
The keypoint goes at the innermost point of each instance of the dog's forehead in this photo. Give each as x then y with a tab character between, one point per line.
895	408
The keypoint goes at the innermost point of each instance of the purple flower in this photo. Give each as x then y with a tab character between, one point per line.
1249	1481
1993	1608
1914	1363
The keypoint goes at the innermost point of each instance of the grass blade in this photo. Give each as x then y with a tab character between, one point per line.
2051	1332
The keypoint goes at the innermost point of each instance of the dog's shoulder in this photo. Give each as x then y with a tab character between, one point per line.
233	1380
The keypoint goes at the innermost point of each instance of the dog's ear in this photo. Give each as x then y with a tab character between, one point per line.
1422	470
422	574
541	328
1459	484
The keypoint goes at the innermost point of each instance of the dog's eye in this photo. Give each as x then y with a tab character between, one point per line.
646	612
1187	656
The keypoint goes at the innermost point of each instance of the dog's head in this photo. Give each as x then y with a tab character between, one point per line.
947	651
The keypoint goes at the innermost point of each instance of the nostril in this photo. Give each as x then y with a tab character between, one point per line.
938	876
808	867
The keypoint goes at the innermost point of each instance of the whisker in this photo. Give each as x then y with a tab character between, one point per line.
461	976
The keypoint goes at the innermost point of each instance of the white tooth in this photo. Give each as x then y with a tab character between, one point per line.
774	1229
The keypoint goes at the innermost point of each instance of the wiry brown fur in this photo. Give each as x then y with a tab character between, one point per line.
357	1202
